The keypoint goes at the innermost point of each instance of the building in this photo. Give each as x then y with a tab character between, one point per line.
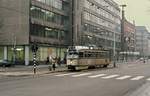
142	40
26	22
149	45
97	22
129	40
55	24
129	36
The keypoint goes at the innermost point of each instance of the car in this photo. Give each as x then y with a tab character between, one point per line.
6	63
141	59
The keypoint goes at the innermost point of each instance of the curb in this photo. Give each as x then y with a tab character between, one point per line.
17	74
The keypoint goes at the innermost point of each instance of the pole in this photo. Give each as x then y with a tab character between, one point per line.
122	30
114	50
34	50
72	28
34	62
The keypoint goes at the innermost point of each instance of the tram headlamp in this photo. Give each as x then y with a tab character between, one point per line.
71	62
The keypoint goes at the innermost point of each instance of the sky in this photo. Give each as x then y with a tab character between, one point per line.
137	10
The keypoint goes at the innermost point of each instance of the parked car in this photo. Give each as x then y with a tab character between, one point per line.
141	59
6	63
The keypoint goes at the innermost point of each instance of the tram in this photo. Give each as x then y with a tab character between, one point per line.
81	57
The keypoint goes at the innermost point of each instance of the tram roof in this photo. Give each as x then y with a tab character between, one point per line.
86	48
92	50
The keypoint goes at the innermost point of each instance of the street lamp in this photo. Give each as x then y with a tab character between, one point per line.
114	50
122	29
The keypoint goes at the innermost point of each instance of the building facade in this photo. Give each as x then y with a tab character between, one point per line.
129	36
149	45
54	25
128	40
97	22
25	22
142	40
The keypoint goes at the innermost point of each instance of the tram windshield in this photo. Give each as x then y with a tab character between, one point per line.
72	54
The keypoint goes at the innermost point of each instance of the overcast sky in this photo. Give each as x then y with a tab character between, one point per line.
138	10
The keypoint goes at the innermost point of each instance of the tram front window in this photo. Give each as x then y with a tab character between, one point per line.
72	54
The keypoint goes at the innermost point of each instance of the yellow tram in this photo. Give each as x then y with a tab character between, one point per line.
81	57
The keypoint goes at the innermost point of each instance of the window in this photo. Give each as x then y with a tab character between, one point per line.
42	31
49	16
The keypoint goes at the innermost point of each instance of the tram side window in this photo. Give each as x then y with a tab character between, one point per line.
81	54
73	53
102	54
94	54
88	55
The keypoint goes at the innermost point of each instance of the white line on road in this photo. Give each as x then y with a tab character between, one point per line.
138	78
123	77
59	75
84	74
111	76
95	76
148	79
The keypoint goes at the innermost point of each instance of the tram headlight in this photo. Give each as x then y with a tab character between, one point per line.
71	62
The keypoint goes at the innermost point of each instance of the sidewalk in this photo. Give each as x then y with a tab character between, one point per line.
28	70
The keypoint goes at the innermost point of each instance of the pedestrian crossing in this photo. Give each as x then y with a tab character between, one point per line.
95	76
104	76
111	76
137	78
123	77
84	74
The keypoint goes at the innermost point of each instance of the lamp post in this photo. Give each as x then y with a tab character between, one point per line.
72	21
114	50
122	29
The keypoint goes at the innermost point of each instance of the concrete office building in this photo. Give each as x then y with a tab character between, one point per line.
56	24
24	22
97	22
142	40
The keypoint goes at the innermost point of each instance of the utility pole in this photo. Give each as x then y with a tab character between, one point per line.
114	50
72	21
34	48
122	29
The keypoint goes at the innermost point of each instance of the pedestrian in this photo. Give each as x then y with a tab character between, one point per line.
144	60
50	60
59	61
47	60
53	63
65	60
48	63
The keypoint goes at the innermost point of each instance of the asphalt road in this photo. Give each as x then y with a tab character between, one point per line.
120	81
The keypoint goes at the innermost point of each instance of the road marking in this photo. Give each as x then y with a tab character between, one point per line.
95	76
123	77
137	78
148	79
60	75
84	74
110	76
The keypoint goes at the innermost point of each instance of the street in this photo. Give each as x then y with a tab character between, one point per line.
121	81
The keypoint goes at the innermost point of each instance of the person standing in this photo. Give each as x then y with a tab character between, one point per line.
48	63
47	60
59	61
53	63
